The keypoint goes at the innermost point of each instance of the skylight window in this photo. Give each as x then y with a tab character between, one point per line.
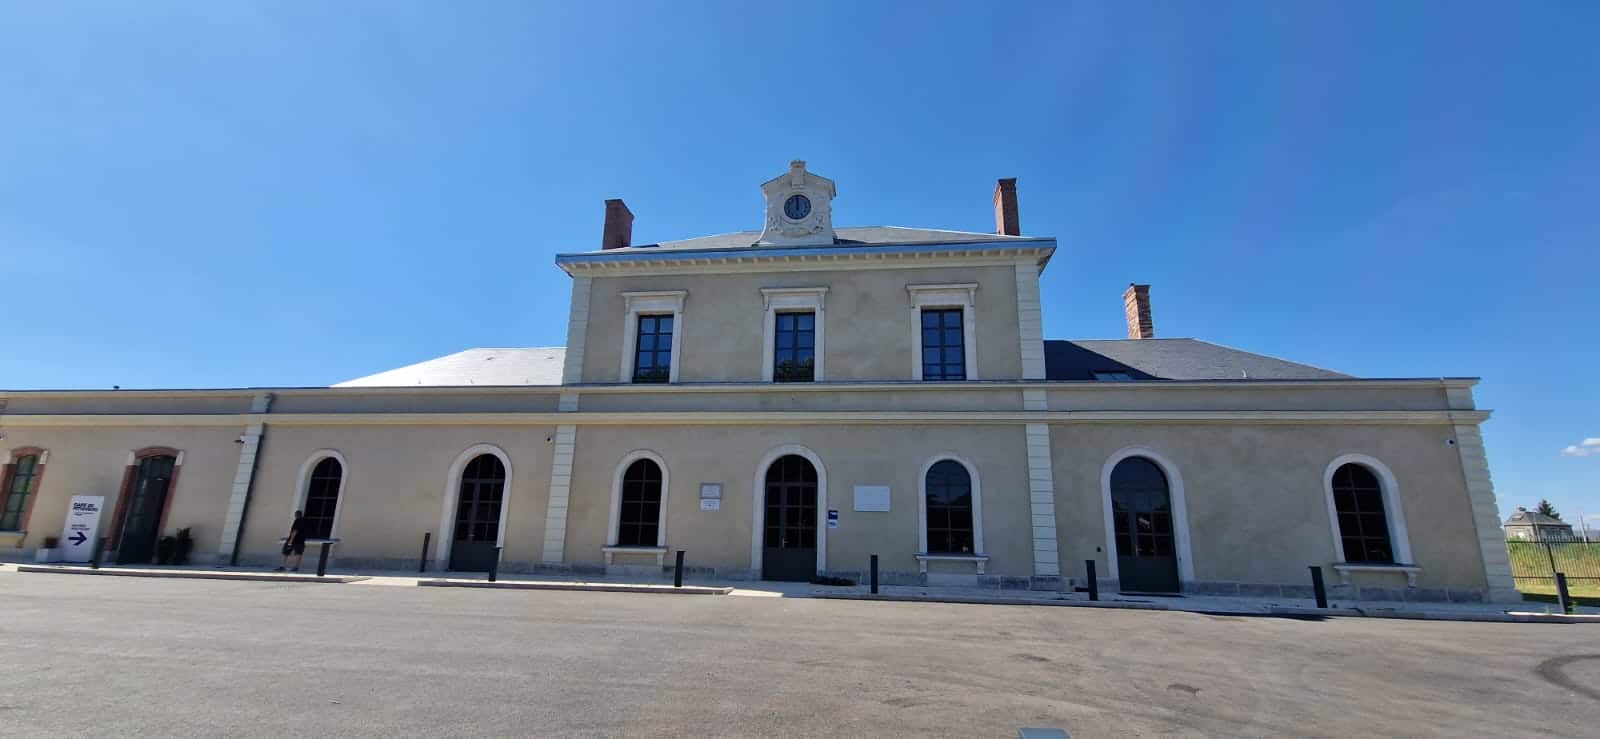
1112	376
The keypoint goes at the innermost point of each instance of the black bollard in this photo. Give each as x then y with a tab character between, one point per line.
1317	587
677	571
1094	582
99	547
422	562
494	567
1562	598
874	574
322	559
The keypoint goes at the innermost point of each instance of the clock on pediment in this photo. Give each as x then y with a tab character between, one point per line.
799	208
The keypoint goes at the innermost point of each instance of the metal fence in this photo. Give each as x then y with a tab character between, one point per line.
1536	562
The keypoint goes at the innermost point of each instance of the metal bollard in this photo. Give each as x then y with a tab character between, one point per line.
1563	599
874	574
422	562
494	567
322	559
1094	582
1317	587
99	548
677	571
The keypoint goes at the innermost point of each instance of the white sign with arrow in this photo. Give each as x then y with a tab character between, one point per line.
83	526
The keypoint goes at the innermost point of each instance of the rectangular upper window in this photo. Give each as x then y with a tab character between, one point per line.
943	345
1112	376
652	355
794	347
652	335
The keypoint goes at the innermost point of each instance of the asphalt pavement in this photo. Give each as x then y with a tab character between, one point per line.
93	656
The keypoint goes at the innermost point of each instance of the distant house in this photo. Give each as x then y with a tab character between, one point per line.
1526	525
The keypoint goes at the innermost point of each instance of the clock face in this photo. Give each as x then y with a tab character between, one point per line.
797	207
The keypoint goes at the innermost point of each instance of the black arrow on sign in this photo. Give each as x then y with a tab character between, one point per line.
78	539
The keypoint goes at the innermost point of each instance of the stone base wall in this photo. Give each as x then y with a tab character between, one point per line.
1335	592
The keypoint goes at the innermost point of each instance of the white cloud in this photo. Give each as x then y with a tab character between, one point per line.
1589	447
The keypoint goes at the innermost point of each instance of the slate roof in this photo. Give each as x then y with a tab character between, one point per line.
852	236
514	366
1145	359
1170	359
1525	517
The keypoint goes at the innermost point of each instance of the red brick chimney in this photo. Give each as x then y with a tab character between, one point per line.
1005	208
619	226
1136	301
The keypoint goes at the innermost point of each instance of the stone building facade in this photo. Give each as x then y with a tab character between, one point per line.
785	403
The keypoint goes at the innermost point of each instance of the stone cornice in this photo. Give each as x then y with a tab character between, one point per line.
760	387
768	258
763	418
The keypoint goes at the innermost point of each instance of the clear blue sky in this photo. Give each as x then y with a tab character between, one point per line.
243	194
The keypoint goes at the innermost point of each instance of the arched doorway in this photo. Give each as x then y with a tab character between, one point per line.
147	498
477	525
789	527
1141	510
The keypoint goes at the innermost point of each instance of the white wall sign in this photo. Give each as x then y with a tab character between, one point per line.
872	498
710	490
710	504
82	529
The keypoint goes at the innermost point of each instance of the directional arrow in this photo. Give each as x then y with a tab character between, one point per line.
78	539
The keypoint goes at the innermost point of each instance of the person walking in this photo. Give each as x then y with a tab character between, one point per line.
294	545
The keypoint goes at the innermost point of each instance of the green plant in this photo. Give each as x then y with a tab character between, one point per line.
184	545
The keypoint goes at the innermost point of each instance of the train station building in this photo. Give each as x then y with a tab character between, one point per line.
784	402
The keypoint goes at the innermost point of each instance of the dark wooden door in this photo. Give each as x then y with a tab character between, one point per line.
477	533
141	525
790	526
1141	508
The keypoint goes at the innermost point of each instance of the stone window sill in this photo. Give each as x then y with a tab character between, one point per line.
1345	570
612	551
923	558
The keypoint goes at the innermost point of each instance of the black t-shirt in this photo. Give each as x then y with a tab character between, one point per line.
297	532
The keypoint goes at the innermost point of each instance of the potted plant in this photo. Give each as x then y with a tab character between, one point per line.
165	549
47	552
184	545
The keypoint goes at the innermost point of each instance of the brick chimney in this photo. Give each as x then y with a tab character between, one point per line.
1006	222
619	226
1136	301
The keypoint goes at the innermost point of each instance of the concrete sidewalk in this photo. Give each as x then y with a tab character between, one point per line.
601	587
1219	605
1529	612
189	573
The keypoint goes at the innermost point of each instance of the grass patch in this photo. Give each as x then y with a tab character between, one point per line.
1584	594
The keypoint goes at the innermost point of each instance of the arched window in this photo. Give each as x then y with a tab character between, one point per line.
1363	521
949	508
1142	521
639	518
482	489
322	498
21	485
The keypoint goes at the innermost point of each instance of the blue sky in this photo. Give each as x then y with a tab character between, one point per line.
244	194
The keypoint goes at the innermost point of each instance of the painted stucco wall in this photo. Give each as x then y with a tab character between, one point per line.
91	461
851	456
868	329
1245	396
880	399
396	486
131	401
1256	499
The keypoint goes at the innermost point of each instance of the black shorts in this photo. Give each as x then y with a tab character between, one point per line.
294	547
